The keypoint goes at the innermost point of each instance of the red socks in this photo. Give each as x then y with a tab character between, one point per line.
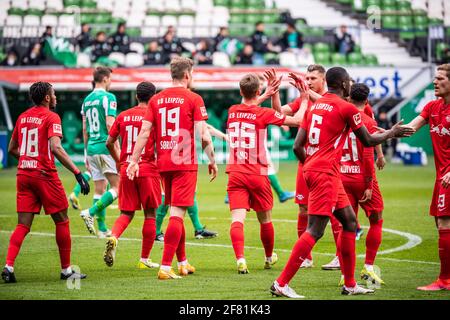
267	235
181	250
373	241
172	239
444	253
347	257
15	242
120	225
148	236
336	228
237	238
302	225
301	249
64	243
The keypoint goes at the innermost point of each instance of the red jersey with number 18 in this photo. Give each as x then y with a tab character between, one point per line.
327	124
128	125
247	131
33	130
173	113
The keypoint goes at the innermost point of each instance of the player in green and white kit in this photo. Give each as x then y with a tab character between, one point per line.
99	112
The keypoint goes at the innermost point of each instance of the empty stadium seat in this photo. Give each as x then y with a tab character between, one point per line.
133	60
221	59
138	47
152	21
355	59
338	59
83	60
14	20
288	59
169	20
49	20
117	57
31	21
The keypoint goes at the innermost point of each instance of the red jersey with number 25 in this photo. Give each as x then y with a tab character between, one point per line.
327	124
247	131
173	113
437	115
357	161
128	125
33	130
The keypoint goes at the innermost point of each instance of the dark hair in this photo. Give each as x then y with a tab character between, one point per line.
121	24
144	91
316	67
249	85
99	33
258	23
359	92
335	77
100	73
38	91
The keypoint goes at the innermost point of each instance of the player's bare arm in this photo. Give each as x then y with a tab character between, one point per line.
381	161
371	140
216	132
85	140
144	134
109	123
114	152
208	147
62	156
13	148
299	145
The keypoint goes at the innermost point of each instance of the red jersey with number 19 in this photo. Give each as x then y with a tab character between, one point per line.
247	131
33	130
128	125
173	113
327	124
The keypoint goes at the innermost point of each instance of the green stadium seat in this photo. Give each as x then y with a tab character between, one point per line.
272	31
406	26
235	31
237	18
435	22
389	9
101	18
68	3
271	58
88	4
117	20
134	32
222	3
373	3
371	60
35	12
256	4
338	59
355	59
16	12
321	47
404	5
357	48
440	47
270	18
238	4
322	57
87	18
253	18
359	5
388	3
349	2
405	21
389	22
71	127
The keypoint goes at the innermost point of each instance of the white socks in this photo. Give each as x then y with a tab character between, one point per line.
241	260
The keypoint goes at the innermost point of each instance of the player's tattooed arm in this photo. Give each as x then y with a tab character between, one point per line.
299	145
13	148
144	134
371	140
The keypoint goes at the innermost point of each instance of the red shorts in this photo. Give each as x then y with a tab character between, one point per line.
301	189
247	191
326	193
355	191
142	192
179	187
440	203
34	193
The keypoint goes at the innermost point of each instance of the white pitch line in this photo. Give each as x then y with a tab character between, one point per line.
213	245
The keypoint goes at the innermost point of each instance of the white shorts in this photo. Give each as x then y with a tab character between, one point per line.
101	164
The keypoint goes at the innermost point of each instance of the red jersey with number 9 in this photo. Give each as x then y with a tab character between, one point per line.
173	113
247	132
128	125
327	124
33	130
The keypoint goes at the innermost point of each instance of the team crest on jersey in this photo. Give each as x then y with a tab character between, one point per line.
447	118
203	110
440	130
357	118
278	115
57	128
113	105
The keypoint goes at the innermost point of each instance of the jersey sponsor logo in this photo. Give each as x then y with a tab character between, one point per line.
440	130
357	118
113	105
57	128
278	115
203	110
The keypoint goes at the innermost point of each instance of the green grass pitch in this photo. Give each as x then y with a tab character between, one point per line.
406	190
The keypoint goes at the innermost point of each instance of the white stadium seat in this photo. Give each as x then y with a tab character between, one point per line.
21	4
152	21
133	60
138	47
203	19
31	21
55	5
83	60
150	32
185	32
190	5
49	20
66	20
288	59
14	20
135	19
117	57
169	20
201	32
185	21
221	59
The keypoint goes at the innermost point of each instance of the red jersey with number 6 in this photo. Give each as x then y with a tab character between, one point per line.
33	130
128	125
327	124
173	113
247	132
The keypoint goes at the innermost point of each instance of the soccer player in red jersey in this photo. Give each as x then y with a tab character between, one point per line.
319	146
144	191
176	113
437	115
360	183
247	168
35	141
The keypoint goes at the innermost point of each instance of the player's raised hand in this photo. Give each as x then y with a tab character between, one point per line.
132	170
298	83
212	170
381	162
270	75
446	180
85	188
401	131
366	196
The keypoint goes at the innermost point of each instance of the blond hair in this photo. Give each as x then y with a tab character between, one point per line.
249	85
445	67
179	66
